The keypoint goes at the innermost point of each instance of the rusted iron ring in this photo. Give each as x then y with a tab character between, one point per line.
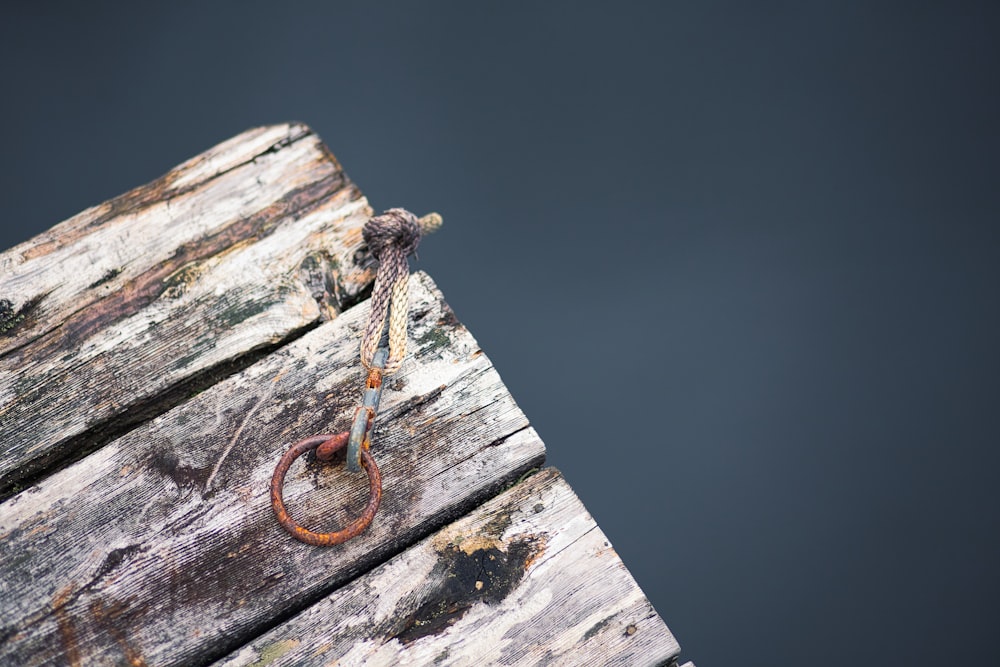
332	444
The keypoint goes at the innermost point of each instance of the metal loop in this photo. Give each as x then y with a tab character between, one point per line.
353	529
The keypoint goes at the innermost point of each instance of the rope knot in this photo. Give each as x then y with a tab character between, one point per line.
397	228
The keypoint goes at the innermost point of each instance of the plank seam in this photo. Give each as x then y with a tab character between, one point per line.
391	550
97	436
274	148
335	182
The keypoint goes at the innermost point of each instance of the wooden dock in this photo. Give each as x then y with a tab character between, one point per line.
158	354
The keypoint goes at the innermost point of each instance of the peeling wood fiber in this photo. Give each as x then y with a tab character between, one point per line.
142	535
526	579
104	314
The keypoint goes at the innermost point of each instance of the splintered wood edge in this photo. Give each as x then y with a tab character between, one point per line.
105	318
171	524
65	264
527	578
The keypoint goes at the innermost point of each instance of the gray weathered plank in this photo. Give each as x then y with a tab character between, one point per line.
527	579
103	314
161	547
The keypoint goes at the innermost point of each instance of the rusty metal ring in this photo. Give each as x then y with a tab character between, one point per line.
353	529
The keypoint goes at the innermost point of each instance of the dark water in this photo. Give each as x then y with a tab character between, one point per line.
764	239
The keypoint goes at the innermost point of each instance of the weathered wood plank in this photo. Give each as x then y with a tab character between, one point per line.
104	314
527	579
161	547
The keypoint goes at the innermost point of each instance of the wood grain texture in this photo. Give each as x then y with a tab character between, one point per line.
526	579
161	547
104	314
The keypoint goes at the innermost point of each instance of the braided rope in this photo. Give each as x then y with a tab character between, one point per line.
391	238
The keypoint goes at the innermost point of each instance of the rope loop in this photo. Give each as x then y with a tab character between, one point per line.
397	230
391	238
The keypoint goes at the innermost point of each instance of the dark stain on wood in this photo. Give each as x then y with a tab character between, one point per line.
499	524
597	627
108	276
417	314
436	337
12	320
95	437
168	278
185	478
486	575
320	273
116	557
178	282
240	310
433	339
